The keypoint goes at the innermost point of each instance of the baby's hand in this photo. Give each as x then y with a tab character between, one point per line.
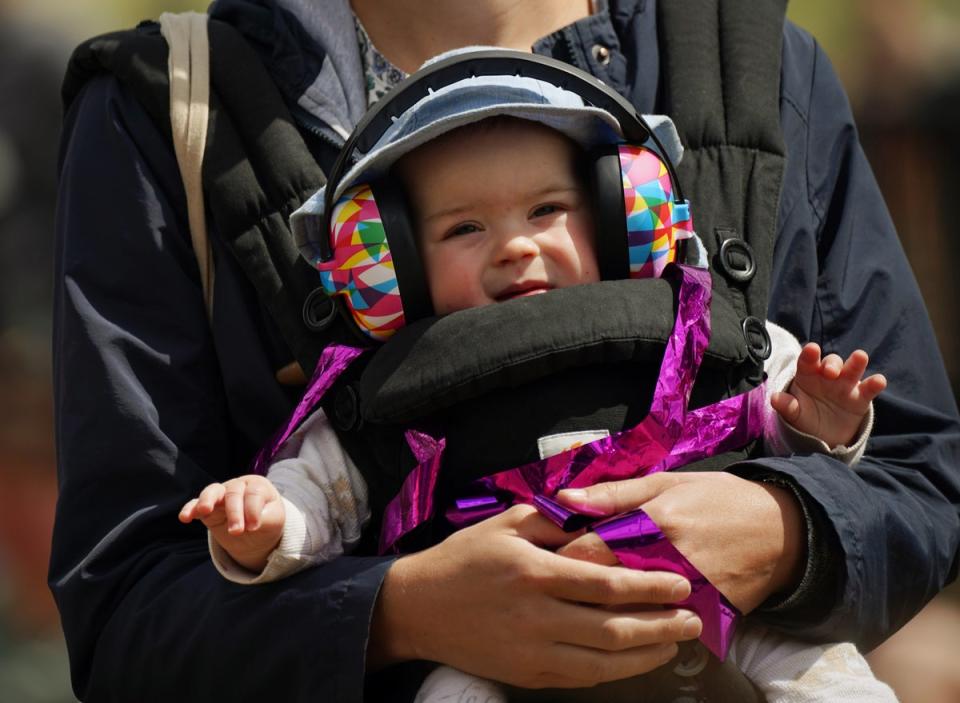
245	515
827	398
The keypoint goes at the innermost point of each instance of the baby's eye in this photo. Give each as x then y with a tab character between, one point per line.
464	228
544	210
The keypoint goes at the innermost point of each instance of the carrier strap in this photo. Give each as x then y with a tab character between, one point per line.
720	83
257	168
189	72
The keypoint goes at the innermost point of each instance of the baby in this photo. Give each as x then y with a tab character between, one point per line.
501	212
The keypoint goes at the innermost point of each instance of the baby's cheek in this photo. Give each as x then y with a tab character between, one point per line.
583	234
452	288
589	273
588	267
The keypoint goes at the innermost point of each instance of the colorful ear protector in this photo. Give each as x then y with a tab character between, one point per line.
370	257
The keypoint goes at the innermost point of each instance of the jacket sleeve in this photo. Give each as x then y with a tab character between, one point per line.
841	279
144	420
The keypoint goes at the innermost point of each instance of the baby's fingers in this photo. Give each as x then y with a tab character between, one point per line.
253	502
854	367
244	501
233	502
787	406
188	511
831	367
207	507
808	363
872	386
209	498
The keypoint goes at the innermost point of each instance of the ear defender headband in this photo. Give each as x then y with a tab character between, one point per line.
367	251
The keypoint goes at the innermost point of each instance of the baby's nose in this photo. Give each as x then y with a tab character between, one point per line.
518	245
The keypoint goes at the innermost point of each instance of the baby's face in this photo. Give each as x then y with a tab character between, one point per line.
500	214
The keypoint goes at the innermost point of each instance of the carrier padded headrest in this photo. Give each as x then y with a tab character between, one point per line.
439	362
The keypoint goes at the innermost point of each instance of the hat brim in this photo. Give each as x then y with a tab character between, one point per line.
586	126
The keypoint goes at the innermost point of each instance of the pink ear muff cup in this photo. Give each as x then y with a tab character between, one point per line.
362	269
655	223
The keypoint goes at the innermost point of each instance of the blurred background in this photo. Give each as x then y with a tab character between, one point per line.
900	62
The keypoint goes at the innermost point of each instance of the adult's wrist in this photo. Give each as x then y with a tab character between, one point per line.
790	567
391	629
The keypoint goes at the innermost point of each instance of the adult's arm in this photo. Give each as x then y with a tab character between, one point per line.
146	416
841	279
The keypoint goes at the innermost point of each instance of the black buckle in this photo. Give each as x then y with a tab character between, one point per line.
737	260
757	339
319	310
346	410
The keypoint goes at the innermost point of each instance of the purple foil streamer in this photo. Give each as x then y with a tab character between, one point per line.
721	427
564	518
638	543
333	361
477	503
415	499
468	511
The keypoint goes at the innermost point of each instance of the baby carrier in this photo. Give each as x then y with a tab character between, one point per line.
531	371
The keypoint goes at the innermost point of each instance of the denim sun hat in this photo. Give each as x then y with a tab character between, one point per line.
465	102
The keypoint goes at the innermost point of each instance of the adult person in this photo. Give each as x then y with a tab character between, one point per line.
152	405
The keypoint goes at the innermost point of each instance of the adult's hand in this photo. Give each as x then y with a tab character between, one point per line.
495	601
747	538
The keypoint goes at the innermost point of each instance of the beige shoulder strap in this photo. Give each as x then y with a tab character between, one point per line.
189	69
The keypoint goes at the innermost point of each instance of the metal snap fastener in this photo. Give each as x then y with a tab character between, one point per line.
601	54
346	409
319	310
737	260
758	341
691	660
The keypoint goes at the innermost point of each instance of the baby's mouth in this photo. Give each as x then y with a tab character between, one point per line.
522	290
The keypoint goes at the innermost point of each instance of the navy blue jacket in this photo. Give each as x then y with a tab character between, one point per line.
152	404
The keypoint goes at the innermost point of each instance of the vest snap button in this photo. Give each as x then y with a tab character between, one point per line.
691	660
319	310
737	260
601	54
346	410
758	341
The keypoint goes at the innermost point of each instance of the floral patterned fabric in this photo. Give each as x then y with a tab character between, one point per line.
380	75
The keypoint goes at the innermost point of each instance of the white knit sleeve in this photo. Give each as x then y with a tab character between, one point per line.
787	670
325	500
